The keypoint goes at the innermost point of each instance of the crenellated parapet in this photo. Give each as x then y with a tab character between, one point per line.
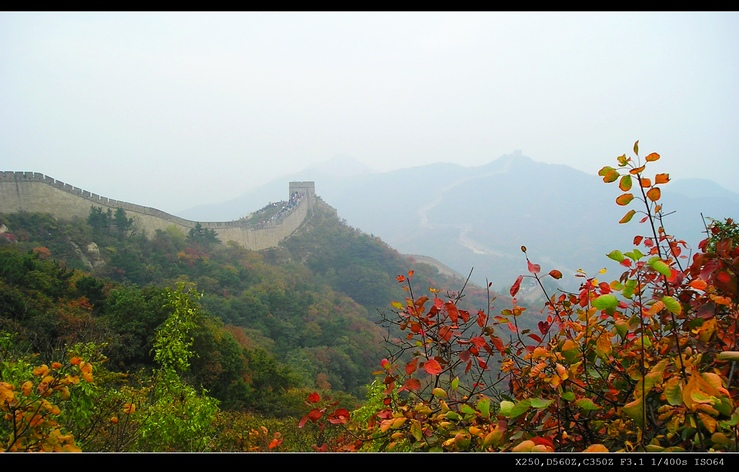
38	193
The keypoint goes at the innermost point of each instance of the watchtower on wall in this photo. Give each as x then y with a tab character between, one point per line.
306	188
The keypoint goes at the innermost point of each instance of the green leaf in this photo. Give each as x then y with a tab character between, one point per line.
483	406
634	255
627	217
540	403
416	430
672	305
521	408
506	407
467	410
616	255
622	328
569	395
634	410
625	183
660	266
586	404
629	288
607	302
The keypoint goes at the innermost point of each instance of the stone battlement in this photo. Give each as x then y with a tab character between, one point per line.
38	193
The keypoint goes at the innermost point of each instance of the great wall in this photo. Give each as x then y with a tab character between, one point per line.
37	193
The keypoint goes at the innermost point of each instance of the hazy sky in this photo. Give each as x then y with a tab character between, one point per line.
173	110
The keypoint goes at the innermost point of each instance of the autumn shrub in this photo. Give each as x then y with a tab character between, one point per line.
32	396
643	362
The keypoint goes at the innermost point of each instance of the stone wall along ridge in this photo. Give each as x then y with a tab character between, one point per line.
37	193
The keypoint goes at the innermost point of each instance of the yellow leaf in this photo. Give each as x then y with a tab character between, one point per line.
603	345
708	421
707	329
524	446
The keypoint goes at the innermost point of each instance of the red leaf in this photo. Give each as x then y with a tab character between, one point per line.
412	384
445	333
314	398
534	336
723	277
451	309
464	356
533	268
516	285
400	278
340	416
432	367
411	366
498	343
313	415
543	327
555	274
543	441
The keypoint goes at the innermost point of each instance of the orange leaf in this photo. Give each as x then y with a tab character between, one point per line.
624	199
636	170
698	284
661	178
652	157
625	183
555	274
654	193
645	182
432	367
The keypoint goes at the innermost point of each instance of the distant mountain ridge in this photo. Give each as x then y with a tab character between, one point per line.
478	217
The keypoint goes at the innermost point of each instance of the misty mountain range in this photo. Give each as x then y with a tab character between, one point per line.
477	218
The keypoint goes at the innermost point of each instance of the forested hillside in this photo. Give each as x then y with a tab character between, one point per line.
305	314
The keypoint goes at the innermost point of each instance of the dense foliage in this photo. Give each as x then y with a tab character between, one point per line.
113	340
